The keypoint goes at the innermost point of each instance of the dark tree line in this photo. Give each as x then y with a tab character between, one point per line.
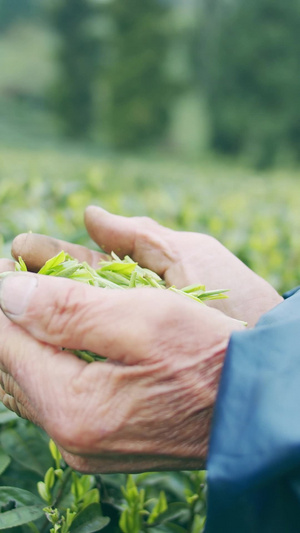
247	65
250	71
79	57
114	77
118	48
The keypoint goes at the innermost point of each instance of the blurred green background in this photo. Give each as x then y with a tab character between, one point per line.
187	111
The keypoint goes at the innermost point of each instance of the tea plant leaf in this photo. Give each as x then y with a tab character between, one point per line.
19	516
19	497
4	461
160	507
26	446
90	520
198	524
18	506
175	510
169	528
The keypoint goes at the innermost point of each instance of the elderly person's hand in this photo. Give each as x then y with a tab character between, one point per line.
182	258
148	406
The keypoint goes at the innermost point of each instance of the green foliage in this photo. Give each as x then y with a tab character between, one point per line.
57	499
251	51
131	517
18	507
12	11
83	512
72	500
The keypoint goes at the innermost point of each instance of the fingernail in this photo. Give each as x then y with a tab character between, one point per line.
15	293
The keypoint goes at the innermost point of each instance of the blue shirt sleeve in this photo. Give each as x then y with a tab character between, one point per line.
254	453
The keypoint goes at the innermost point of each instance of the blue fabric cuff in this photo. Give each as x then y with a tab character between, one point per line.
291	292
254	455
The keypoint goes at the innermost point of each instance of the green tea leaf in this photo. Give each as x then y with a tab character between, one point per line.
26	446
53	262
120	280
175	510
193	288
44	492
90	520
50	478
4	461
160	507
19	496
55	453
21	266
198	524
121	267
171	528
92	496
19	516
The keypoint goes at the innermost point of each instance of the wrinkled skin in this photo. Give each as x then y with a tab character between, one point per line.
149	406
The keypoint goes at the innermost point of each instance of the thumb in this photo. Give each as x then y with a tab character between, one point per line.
117	324
35	249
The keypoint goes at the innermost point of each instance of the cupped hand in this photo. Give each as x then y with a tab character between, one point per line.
148	406
182	258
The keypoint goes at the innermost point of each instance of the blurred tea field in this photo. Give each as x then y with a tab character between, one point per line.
255	214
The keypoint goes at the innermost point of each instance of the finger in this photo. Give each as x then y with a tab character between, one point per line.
6	388
13	397
36	249
139	237
65	313
123	325
6	265
22	357
10	402
51	387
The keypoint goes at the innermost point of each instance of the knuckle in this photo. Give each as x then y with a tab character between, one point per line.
146	224
209	240
145	220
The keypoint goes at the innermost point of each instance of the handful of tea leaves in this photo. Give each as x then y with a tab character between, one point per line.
116	273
